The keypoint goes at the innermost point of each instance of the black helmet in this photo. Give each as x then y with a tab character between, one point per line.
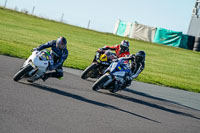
124	46
140	56
61	43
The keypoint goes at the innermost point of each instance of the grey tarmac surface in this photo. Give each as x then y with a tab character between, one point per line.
70	106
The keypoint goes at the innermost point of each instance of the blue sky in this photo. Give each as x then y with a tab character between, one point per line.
103	14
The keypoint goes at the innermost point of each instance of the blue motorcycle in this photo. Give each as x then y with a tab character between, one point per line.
114	76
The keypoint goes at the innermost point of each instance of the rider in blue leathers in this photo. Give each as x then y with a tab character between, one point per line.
59	53
137	66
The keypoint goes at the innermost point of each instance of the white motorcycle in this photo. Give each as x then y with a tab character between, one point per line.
35	66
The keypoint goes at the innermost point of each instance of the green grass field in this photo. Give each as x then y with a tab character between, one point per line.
168	66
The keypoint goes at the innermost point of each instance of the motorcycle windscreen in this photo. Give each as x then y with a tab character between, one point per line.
113	66
119	73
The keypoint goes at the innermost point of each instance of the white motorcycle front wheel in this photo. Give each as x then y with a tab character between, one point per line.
22	72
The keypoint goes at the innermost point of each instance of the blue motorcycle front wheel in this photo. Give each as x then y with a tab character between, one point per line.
100	82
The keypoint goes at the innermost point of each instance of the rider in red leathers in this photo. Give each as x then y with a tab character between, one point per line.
121	50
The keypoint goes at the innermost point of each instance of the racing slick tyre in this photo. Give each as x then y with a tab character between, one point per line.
100	82
196	44
22	72
190	43
86	73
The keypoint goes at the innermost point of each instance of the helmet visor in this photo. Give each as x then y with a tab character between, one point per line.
123	49
139	58
61	43
61	46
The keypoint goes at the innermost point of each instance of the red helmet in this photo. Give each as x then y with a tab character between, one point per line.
61	43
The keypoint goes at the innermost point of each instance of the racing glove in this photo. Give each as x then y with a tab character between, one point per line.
34	49
100	50
134	76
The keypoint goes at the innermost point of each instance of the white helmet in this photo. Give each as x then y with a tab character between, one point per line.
124	46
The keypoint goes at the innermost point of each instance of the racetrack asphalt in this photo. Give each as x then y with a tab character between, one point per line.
70	106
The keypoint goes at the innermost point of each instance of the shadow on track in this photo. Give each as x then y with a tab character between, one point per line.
156	98
80	98
150	104
148	96
90	80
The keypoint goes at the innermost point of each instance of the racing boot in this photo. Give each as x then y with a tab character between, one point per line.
45	76
128	81
32	79
116	88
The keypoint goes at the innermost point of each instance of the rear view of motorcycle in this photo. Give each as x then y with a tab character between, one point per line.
35	66
115	77
101	62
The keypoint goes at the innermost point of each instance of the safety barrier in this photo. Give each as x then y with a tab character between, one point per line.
157	35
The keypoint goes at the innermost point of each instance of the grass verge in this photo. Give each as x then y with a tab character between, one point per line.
168	66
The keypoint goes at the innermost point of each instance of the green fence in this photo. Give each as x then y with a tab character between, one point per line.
171	38
162	36
121	28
